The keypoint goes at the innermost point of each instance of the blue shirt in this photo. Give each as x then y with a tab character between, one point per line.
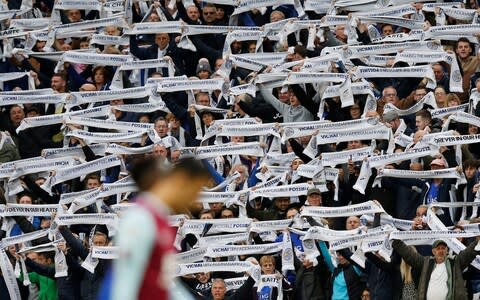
432	195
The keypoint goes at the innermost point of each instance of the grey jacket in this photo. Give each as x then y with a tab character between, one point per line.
290	113
455	266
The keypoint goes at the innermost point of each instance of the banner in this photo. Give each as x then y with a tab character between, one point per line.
63	175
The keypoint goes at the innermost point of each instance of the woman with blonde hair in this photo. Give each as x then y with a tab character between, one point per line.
409	285
267	265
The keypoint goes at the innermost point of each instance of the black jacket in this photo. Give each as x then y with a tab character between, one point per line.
151	52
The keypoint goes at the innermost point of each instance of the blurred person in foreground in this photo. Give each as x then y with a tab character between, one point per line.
146	266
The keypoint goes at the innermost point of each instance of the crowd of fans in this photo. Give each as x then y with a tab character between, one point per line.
61	111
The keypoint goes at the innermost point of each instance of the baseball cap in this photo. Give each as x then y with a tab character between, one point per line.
438	162
438	243
313	191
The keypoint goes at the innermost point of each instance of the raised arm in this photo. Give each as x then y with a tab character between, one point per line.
410	256
76	245
466	256
270	99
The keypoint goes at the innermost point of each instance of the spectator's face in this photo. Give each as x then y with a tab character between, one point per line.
353	222
216	207
40	45
440	253
355	144
292	213
203	74
175	156
207	119
220	13
341	260
355	111
315	199
294	100
472	129
12	250
419	94
296	57
420	123
236	47
282	203
160	151
276	16
463	50
438	72
394	123
16	115
227	214
440	97
218	290
366	295
100	240
340	33
92	183
153	17
218	63
387	30
45	223
203	277
66	47
453	102
390	95
74	15
111	30
161	127
25	200
193	13
144	119
203	99
470	172
238	139
268	268
162	40
283	96
252	48
207	216
174	123
209	14
32	114
99	77
242	172
58	84
84	45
